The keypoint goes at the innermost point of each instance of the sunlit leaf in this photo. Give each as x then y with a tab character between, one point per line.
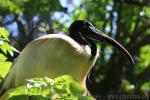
2	57
58	89
145	86
18	91
143	60
4	33
127	86
75	89
4	67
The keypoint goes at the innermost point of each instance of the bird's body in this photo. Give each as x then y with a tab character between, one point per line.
60	54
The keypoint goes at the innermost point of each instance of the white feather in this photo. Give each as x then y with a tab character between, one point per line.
50	55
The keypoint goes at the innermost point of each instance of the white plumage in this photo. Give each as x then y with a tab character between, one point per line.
51	55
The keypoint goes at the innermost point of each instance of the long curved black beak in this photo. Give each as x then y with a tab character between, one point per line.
98	35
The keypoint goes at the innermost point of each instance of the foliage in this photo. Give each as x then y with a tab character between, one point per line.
128	21
62	88
143	62
5	47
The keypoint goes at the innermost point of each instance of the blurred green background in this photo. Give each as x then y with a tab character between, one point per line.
128	21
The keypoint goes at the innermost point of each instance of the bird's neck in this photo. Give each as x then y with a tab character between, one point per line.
93	48
85	41
79	39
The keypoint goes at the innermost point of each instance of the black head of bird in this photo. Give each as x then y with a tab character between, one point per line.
84	33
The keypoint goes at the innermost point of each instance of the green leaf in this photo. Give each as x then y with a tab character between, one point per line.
144	61
65	88
127	86
145	86
19	97
18	91
2	58
85	98
4	33
64	78
4	67
75	89
6	47
11	6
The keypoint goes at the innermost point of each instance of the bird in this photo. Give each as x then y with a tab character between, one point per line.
54	55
